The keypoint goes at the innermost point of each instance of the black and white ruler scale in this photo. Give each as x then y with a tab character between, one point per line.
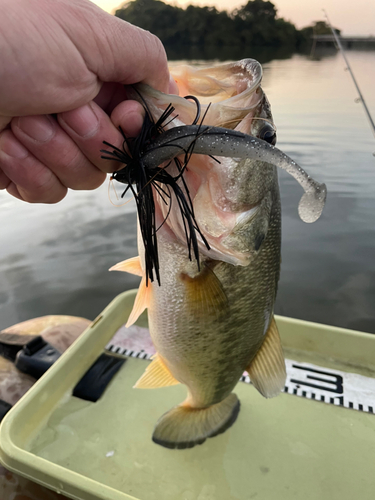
305	380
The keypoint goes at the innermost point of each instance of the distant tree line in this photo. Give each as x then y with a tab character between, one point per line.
253	25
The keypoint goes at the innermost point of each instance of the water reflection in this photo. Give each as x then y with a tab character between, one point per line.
63	254
328	268
54	259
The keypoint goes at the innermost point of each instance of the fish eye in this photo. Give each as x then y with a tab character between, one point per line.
268	134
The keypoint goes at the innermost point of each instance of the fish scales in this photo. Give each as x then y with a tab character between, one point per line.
212	320
212	355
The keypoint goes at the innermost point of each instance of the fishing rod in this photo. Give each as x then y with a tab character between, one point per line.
361	98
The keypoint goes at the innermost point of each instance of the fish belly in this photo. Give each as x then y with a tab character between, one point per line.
208	352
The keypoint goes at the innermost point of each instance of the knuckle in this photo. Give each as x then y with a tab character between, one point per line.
43	193
78	173
41	185
72	161
11	148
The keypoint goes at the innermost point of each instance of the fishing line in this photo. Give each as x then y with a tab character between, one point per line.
110	184
348	67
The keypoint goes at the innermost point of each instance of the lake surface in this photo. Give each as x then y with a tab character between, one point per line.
55	259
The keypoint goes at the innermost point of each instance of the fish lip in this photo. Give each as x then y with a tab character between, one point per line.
253	67
241	101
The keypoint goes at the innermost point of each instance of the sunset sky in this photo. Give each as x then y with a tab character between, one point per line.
352	17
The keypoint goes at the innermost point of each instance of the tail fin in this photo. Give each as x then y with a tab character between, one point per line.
184	426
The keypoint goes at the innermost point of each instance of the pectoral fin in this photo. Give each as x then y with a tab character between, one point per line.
205	297
267	370
156	375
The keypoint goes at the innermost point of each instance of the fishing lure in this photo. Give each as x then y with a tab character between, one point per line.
155	146
141	180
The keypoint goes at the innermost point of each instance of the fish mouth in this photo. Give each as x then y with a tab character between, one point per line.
230	96
231	82
227	93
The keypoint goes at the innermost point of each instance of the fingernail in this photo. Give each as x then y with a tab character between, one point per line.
39	128
82	120
13	148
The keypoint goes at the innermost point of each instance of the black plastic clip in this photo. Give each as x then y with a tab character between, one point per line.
95	380
36	357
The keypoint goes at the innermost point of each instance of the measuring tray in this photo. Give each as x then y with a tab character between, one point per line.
282	448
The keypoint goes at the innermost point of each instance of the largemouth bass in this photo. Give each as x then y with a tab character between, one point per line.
212	318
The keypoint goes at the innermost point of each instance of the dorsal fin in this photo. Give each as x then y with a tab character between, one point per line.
132	266
142	301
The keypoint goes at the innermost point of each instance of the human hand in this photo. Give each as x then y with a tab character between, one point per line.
71	60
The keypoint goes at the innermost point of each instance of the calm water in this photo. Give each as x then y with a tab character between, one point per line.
54	259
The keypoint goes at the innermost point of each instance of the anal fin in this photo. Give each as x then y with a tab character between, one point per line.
267	370
156	375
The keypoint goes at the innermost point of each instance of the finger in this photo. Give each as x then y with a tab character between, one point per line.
34	181
110	95
46	140
173	87
13	190
143	52
113	94
88	127
129	115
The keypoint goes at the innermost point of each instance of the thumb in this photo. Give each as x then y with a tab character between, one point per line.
117	51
